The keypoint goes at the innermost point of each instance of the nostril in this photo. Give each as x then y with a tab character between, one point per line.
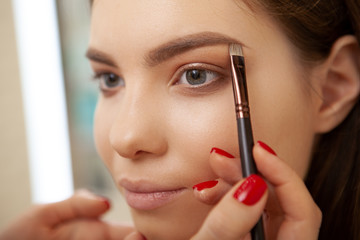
125	144
132	142
140	152
136	131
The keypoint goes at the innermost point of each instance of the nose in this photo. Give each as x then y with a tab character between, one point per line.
138	128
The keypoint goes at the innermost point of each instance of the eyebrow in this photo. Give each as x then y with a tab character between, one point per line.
100	57
185	44
170	49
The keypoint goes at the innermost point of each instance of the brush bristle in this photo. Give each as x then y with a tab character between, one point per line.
235	50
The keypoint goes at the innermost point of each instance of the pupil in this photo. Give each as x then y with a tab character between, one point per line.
195	77
195	74
111	80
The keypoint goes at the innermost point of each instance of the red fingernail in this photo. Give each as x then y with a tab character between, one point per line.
107	203
203	185
105	200
221	152
251	190
267	148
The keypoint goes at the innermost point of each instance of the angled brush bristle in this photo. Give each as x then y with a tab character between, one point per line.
235	50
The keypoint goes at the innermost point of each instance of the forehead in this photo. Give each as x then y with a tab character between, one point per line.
151	22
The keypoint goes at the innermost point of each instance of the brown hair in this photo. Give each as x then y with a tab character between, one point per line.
334	175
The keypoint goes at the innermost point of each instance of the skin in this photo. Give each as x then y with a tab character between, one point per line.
153	130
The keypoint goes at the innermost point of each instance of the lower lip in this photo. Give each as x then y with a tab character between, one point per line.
152	200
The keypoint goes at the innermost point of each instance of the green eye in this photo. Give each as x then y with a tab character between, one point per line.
197	77
109	81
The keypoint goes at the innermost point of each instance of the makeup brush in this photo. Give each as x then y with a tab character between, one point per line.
245	134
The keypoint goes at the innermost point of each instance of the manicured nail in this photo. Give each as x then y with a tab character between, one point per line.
267	148
221	152
203	185
251	190
106	202
94	196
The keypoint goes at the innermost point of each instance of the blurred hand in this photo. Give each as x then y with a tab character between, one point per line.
75	218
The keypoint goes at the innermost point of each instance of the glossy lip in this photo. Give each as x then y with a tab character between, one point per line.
144	195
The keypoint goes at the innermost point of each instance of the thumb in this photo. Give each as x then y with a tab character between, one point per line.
237	212
83	204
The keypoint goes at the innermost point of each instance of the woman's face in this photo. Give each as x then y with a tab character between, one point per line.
167	99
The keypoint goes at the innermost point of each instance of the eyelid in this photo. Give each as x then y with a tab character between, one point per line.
199	66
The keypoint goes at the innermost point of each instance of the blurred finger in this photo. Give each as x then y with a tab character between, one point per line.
119	231
135	236
82	204
90	229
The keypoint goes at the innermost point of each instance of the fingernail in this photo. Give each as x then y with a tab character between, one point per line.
107	203
105	200
267	148
207	184
221	152
251	190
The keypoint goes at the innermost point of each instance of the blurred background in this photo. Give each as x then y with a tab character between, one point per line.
46	145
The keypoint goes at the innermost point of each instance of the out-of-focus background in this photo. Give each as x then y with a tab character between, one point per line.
26	138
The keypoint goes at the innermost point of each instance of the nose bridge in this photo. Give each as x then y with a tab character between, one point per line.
136	129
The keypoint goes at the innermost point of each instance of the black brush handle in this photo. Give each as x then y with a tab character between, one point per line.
246	144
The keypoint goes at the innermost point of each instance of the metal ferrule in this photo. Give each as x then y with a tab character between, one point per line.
239	87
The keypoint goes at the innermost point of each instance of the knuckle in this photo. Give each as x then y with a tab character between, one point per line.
40	211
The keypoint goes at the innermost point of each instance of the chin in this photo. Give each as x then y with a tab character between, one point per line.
179	220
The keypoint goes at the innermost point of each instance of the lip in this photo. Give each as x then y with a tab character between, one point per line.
144	195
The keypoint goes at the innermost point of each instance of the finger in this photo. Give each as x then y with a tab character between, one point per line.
299	208
225	165
82	204
135	236
211	192
237	212
120	231
90	229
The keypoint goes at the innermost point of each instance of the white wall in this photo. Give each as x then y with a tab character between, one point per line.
15	194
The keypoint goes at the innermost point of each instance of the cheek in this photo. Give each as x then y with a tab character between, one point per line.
198	125
283	116
102	124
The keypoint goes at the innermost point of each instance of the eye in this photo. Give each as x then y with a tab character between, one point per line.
197	77
109	81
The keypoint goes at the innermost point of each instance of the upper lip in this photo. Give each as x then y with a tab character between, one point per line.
145	186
